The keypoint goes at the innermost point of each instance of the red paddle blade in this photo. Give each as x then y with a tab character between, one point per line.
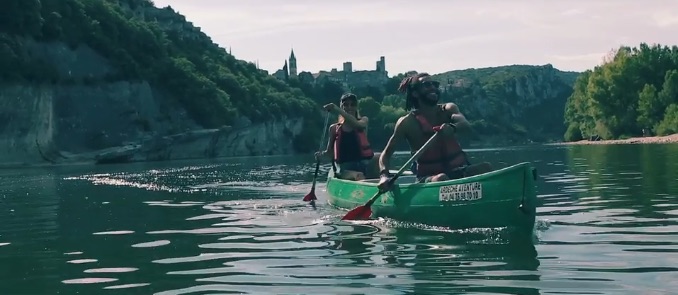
310	197
359	213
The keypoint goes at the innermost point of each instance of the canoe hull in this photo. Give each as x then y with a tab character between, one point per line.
488	200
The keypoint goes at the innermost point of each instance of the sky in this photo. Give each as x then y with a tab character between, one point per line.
432	36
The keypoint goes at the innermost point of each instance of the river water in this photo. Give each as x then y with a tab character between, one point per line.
607	224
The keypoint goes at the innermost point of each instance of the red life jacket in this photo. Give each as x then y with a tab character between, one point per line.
445	154
365	150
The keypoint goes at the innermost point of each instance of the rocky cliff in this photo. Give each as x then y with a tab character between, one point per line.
117	81
517	103
506	105
120	122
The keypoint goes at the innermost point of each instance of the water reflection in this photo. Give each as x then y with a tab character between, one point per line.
28	223
621	199
604	226
252	247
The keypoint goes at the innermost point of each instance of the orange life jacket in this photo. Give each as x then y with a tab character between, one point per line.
365	151
445	154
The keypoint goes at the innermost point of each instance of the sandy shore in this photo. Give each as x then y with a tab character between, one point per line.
673	138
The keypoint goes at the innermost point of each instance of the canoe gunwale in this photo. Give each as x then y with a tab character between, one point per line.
514	206
474	178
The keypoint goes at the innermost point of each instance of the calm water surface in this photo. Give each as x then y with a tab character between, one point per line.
607	224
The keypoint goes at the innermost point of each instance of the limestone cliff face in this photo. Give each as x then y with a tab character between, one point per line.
520	103
541	86
88	119
271	138
27	125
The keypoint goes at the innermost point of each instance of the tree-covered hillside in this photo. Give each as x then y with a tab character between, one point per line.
521	101
635	90
144	43
518	103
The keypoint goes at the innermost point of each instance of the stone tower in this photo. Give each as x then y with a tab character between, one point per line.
381	65
348	67
293	65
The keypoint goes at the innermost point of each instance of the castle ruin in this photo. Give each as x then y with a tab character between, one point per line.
348	77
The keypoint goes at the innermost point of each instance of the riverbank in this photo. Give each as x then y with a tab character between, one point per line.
673	138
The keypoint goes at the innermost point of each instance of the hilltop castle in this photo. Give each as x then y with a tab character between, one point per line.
346	76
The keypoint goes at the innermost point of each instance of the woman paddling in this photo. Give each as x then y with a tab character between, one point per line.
348	142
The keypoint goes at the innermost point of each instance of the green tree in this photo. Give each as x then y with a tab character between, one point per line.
669	125
369	107
648	107
630	92
144	43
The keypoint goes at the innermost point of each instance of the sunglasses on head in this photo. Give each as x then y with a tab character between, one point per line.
349	103
435	84
349	98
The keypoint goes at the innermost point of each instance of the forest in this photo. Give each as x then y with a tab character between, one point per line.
633	93
505	105
145	43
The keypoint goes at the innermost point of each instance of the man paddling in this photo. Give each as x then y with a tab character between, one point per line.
445	159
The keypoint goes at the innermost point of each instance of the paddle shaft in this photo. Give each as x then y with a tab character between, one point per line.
315	176
311	194
404	167
322	140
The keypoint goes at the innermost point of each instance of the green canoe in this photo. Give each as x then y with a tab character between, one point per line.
501	198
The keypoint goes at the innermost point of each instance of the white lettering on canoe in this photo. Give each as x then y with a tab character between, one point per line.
461	192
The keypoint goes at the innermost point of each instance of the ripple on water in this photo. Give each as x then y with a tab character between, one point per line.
251	256
81	261
170	204
209	216
89	281
278	245
111	270
118	232
126	286
598	237
152	244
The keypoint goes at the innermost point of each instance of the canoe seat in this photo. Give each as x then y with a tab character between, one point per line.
406	177
403	179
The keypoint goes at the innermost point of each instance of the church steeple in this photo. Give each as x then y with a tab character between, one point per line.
293	64
285	73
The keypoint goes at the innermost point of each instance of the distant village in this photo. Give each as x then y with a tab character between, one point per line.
347	76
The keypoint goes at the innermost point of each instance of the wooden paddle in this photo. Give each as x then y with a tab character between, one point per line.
364	212
311	195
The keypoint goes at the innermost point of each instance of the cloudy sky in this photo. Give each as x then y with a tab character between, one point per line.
432	36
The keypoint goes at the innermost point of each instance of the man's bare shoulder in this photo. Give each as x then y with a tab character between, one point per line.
405	124
405	120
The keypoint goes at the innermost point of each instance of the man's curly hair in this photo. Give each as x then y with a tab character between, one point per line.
407	86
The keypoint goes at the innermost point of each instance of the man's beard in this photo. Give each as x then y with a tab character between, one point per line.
430	98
